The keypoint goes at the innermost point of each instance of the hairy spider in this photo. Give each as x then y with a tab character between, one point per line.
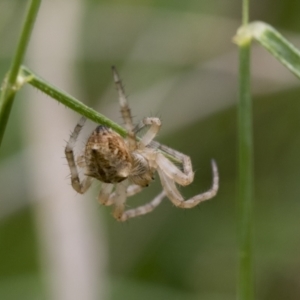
126	165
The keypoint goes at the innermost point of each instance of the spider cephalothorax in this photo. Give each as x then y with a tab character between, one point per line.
126	165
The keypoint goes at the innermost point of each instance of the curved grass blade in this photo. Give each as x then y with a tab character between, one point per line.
272	41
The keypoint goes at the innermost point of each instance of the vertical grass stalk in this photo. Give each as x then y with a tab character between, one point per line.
10	84
245	192
245	182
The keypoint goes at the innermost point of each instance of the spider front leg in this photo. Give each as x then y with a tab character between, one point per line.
173	194
183	178
77	185
155	125
125	110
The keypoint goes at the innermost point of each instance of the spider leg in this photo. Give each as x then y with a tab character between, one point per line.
119	201
155	125
78	186
118	198
149	121
177	199
183	178
143	209
107	198
125	110
133	189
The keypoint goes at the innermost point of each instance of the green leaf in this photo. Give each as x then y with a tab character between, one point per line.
272	41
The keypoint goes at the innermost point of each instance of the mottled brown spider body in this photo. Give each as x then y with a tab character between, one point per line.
126	165
106	156
108	159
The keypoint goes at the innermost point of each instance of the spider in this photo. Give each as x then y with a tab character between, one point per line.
126	165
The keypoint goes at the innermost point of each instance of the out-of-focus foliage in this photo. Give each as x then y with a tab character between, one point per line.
177	62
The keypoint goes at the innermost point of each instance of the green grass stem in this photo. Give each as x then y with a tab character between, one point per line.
28	76
69	101
10	84
245	283
245	182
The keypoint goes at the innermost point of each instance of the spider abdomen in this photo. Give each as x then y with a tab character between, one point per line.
107	156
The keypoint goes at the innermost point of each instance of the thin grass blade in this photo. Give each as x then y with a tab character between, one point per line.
272	41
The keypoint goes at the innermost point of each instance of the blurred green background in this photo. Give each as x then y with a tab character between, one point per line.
177	62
